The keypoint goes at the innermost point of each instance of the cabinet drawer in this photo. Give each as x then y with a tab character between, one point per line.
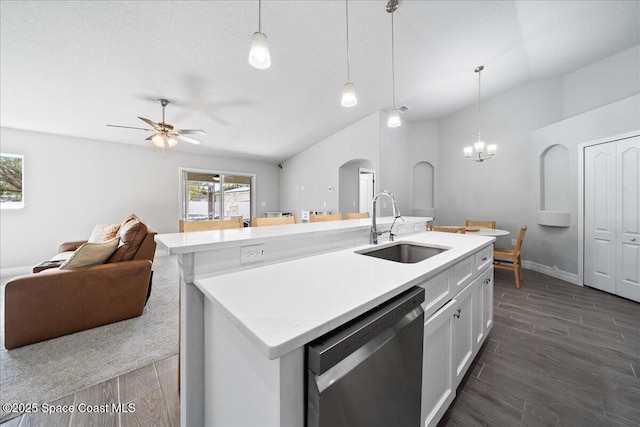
484	258
437	291
463	273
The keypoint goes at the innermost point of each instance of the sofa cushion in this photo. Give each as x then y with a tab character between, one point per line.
132	232
104	232
91	254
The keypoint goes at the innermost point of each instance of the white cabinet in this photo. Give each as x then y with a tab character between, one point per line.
454	333
463	339
438	389
482	307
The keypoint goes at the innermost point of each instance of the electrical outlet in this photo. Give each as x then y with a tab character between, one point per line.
513	242
401	229
416	227
253	253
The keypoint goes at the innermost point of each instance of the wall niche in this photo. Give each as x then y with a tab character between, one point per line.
423	184
554	187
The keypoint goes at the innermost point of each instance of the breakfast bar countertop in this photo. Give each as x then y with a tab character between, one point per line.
283	306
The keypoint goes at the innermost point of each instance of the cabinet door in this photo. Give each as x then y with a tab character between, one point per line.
487	309
463	341
438	389
482	307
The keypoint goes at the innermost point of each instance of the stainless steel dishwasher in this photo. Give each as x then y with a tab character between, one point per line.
369	371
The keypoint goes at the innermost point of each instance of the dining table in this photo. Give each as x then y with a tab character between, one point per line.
493	232
482	231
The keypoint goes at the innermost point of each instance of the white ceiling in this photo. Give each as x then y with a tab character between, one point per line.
70	67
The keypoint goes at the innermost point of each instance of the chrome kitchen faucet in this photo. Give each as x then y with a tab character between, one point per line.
396	214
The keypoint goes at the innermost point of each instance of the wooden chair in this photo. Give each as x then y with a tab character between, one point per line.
482	224
322	218
281	220
509	259
352	215
218	224
446	229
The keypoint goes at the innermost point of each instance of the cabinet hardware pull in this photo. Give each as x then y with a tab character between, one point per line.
633	239
457	313
484	259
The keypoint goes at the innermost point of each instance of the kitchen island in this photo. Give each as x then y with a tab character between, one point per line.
256	322
210	253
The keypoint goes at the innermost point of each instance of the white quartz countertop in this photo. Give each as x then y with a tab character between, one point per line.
283	306
205	240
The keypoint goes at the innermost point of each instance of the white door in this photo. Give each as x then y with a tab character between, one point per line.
599	216
366	189
628	226
611	217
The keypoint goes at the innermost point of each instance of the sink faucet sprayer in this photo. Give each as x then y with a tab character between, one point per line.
396	214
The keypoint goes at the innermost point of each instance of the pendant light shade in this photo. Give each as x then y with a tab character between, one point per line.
394	115
349	98
394	119
259	56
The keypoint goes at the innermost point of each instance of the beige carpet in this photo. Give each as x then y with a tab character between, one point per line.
46	371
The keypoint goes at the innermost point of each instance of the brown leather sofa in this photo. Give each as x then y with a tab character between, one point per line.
53	302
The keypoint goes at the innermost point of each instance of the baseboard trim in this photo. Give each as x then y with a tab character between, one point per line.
552	271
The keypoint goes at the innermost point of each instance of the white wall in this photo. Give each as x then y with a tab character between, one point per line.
71	184
590	103
306	177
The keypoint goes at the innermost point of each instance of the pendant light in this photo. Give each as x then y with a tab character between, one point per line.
477	152
349	98
394	115
259	54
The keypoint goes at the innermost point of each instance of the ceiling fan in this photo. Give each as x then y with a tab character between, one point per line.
164	133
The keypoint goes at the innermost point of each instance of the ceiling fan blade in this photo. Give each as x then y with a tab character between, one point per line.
128	127
192	131
150	122
187	139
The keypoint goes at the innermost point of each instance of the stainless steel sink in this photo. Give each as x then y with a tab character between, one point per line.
407	253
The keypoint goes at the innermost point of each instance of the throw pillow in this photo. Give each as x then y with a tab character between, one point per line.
91	254
104	232
131	233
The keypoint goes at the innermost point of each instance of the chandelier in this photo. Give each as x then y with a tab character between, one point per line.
480	151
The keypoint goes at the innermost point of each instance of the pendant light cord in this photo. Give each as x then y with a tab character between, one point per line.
479	101
260	16
393	66
347	18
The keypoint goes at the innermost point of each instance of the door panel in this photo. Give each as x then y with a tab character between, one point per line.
600	224
628	204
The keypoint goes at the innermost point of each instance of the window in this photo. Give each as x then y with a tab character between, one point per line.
11	179
209	195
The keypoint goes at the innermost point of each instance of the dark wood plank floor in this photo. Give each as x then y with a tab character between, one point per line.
558	355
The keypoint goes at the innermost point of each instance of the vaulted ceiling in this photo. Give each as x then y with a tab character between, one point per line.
71	67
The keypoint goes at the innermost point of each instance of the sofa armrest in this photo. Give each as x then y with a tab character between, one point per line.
70	246
58	302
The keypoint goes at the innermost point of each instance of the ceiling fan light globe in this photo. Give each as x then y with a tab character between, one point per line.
158	140
349	98
259	56
171	141
394	119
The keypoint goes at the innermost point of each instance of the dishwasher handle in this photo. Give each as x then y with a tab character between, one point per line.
328	350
